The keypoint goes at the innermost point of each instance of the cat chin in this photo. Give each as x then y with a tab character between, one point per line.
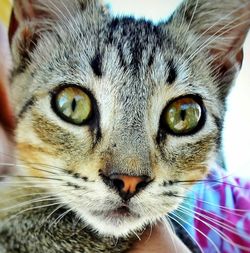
118	227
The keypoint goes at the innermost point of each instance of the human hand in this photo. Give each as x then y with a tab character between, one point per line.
6	118
5	151
159	239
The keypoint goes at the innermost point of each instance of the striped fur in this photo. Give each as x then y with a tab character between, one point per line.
133	69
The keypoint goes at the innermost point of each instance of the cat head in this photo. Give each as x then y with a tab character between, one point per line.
118	117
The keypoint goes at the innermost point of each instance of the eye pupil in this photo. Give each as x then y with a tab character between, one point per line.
73	105
183	114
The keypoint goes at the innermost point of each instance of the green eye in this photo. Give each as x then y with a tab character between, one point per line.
73	105
183	116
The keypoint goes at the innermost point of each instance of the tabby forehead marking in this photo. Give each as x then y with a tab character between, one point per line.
131	45
96	65
172	74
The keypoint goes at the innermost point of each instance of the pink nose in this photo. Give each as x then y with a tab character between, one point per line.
128	183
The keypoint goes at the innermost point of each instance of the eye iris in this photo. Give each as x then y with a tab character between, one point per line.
74	105
183	115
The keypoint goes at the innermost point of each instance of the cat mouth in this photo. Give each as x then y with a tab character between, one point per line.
122	211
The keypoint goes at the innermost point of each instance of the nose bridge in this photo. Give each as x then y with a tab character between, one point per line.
131	153
130	131
129	140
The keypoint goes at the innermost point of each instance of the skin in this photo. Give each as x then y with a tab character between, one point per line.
4	147
6	119
160	239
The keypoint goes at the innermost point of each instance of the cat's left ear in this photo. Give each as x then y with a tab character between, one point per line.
219	29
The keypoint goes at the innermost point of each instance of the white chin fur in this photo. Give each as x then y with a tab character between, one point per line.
115	227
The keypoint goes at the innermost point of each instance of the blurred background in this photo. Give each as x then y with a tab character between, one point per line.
236	135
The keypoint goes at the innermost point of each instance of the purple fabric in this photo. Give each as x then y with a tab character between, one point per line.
221	208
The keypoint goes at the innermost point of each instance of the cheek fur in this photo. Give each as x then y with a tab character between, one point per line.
39	161
189	162
47	144
57	137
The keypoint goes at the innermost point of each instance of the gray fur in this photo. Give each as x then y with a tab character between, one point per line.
30	232
133	69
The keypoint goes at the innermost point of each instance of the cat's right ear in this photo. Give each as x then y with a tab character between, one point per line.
35	10
26	24
31	18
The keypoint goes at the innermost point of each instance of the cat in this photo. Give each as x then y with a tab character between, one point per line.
113	116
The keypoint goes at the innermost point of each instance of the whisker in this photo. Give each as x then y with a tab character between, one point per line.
23	166
186	230
28	203
138	237
223	224
36	177
24	196
56	209
183	19
224	208
150	233
42	193
59	218
171	236
33	208
170	223
72	19
217	231
74	227
209	181
213	214
29	163
8	155
30	185
65	20
177	219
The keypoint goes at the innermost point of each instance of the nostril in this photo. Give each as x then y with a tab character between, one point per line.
141	185
118	184
113	182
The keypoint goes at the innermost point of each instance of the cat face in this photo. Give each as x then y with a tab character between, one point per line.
118	117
